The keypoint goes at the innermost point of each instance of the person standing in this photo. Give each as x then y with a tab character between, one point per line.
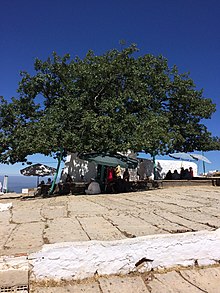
126	175
118	171
69	179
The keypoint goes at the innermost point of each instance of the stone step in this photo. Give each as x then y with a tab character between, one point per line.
14	274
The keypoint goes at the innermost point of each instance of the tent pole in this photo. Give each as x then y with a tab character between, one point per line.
102	177
203	163
155	167
57	171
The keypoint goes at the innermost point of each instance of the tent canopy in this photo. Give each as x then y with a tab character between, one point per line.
111	160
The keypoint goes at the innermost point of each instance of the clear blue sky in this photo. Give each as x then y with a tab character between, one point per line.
186	32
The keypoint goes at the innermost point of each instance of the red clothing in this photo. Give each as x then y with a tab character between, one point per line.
110	174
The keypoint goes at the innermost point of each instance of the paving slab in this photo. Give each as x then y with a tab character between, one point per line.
207	279
54	211
11	278
98	228
169	226
5	216
84	206
166	215
123	284
64	229
92	287
171	282
87	288
133	226
5	232
25	238
26	214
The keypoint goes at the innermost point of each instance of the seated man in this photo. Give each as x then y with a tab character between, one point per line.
168	175
187	175
175	175
49	181
69	179
93	188
39	188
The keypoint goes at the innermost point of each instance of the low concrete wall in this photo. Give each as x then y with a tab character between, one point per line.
194	182
79	260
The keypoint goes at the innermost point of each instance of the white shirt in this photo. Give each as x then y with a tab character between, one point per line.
93	188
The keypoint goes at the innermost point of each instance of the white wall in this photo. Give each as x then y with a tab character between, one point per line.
77	167
165	165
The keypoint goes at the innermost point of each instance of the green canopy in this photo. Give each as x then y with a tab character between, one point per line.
111	160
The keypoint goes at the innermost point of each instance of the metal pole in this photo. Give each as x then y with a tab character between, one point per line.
102	181
57	171
203	164
155	167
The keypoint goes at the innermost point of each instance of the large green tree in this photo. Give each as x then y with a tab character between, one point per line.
113	102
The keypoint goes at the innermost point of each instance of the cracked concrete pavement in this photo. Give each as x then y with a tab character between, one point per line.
30	223
178	281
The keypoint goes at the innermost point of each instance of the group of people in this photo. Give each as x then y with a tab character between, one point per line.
186	174
113	181
115	173
49	182
43	187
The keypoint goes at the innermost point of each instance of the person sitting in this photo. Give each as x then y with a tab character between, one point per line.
41	183
93	188
126	175
39	188
168	175
49	182
182	173
141	170
175	175
187	175
191	172
69	179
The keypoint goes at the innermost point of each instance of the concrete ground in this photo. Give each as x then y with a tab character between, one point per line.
33	222
30	223
178	281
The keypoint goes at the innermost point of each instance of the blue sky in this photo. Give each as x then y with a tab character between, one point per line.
186	32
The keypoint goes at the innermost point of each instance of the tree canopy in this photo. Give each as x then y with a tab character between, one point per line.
118	101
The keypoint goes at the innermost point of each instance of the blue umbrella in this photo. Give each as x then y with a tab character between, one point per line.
200	158
182	156
189	157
